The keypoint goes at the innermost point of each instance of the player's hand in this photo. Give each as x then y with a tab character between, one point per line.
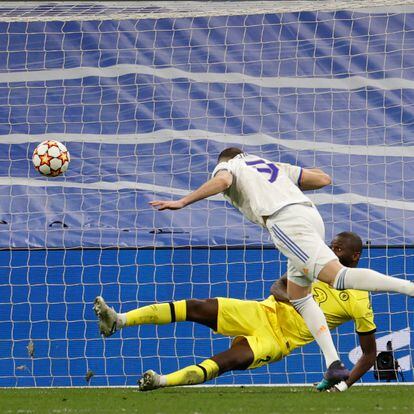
167	205
341	387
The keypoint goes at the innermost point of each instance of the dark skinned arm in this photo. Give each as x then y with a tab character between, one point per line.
364	363
367	360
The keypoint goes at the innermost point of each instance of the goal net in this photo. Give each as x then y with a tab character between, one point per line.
145	95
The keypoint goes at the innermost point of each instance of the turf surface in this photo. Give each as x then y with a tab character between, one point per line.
212	400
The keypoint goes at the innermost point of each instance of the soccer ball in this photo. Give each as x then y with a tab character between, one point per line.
51	158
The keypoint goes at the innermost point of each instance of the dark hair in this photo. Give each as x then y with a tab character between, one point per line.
230	153
353	239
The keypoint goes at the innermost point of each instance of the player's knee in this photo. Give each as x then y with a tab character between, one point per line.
236	363
242	355
243	362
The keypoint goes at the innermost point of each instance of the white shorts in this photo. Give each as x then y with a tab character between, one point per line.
298	233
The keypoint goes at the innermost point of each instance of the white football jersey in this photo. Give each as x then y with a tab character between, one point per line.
261	187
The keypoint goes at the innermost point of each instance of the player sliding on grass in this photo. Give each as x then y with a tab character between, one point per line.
264	331
270	194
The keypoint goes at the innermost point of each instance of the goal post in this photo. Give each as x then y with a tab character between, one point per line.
145	95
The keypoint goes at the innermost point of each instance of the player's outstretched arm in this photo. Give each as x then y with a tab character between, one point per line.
313	179
221	182
364	363
367	360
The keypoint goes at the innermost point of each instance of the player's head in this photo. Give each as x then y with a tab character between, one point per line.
229	153
348	247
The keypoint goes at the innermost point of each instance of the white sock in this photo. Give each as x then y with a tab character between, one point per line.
120	320
367	279
163	380
316	323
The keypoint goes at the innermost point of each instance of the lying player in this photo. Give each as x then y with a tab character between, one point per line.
264	331
270	194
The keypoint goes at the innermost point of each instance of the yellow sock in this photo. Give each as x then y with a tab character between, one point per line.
193	374
157	314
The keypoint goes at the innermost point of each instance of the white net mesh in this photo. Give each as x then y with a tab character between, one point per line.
145	96
120	10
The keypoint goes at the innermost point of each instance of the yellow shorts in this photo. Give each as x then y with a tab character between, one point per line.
249	319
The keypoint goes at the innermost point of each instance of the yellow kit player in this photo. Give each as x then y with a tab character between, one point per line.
263	331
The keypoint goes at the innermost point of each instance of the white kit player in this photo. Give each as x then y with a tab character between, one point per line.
270	195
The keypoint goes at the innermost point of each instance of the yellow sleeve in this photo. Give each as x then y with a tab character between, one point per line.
361	312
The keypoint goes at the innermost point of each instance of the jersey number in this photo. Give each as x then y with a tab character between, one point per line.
265	168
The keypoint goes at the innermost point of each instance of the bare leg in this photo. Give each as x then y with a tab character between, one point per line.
203	311
295	291
239	357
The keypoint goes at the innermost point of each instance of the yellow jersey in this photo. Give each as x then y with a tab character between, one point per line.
338	307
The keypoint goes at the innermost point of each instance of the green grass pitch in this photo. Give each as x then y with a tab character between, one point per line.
209	400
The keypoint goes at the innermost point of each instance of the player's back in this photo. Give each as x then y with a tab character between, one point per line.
261	187
338	307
